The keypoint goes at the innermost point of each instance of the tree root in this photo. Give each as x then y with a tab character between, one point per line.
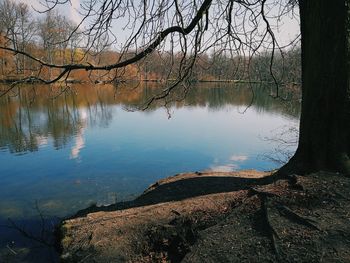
270	230
296	165
254	191
265	199
284	211
293	182
290	214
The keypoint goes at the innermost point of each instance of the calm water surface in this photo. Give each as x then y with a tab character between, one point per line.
62	153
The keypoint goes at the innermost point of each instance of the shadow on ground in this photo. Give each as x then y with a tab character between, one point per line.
183	186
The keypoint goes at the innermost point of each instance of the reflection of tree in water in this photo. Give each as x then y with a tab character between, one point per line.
216	96
28	121
17	131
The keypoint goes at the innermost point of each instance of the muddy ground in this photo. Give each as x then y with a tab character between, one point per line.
219	217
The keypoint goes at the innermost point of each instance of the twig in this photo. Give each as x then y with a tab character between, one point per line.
12	251
89	255
27	234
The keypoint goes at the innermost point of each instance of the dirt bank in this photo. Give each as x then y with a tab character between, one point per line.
219	217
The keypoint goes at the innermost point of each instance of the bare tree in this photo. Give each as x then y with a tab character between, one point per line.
17	26
58	38
25	33
8	22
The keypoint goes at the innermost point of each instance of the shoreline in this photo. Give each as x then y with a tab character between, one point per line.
77	81
220	217
164	190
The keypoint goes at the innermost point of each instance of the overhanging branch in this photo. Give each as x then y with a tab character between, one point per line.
89	67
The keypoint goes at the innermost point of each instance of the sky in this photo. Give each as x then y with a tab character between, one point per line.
288	30
69	10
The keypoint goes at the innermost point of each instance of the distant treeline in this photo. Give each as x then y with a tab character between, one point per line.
52	37
285	67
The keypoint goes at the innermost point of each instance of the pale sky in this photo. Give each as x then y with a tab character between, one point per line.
288	30
69	10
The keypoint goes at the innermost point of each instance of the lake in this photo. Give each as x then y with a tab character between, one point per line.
62	150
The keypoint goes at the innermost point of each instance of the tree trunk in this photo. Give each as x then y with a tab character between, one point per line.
324	142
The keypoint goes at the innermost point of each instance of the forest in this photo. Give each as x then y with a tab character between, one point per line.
52	38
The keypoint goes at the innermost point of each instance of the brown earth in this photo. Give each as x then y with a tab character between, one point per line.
219	217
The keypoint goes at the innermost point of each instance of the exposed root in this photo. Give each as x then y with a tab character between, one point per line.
293	182
295	165
254	191
271	231
290	214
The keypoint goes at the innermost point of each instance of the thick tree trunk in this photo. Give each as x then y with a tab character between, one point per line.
324	142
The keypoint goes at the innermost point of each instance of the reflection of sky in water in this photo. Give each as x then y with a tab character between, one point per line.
238	158
100	152
233	164
79	139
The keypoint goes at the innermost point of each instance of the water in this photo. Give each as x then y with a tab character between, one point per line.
62	152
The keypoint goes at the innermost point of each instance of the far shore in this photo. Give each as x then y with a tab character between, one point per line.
15	79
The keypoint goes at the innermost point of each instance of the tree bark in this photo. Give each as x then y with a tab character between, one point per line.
324	140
